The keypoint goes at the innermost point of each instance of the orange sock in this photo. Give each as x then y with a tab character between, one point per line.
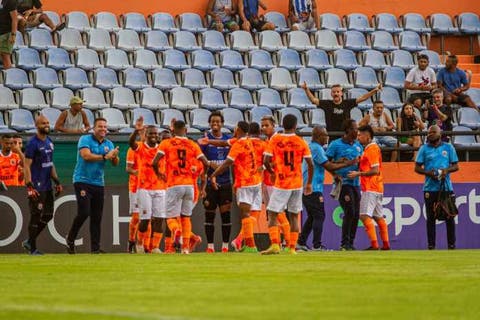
173	225
169	244
186	232
247	226
371	233
273	232
285	226
240	235
147	237
156	239
293	239
382	226
141	237
255	214
133	226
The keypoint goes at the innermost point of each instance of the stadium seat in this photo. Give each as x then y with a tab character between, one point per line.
356	114
164	79
394	77
167	115
77	20
156	40
32	99
175	60
185	41
311	77
241	99
297	113
222	79
257	113
391	98
163	21
337	76
326	40
27	59
317	59
134	78
464	140
317	118
442	24
105	20
299	40
474	94
414	22
94	98
374	59
358	92
90	116
468	117
145	59
280	79
116	59
15	78
53	16
128	40
345	59
468	23
193	79
105	79
19	41
326	94
251	79
211	99
297	98
46	79
40	39
148	116
203	60
212	40
152	99
115	119
270	41
60	98
134	21
365	77
99	40
58	59
386	22
52	115
75	78
191	22
232	116
199	119
270	98
260	60
241	41
123	98
382	41
358	22
411	41
402	59
3	125
289	59
231	60
331	22
182	99
434	59
21	120
7	99
87	59
355	40
278	19
70	40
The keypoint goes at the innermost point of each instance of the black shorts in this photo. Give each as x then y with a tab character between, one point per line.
255	23
217	198
43	204
424	96
460	99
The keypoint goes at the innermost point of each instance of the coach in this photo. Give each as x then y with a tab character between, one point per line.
94	150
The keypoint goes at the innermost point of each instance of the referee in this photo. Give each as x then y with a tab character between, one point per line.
94	150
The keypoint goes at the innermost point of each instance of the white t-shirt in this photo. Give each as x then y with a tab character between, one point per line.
418	76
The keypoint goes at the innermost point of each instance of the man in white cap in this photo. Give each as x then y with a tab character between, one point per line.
73	120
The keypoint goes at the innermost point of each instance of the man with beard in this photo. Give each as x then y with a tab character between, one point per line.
39	172
10	162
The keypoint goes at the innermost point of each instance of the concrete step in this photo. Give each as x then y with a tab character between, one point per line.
474	67
465	58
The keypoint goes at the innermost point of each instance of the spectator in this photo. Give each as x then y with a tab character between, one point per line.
408	121
223	15
420	81
8	30
439	113
250	19
30	15
73	120
454	83
338	109
381	122
303	15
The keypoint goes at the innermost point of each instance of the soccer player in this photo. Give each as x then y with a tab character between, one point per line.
10	162
287	151
247	181
18	148
39	173
371	182
132	170
180	192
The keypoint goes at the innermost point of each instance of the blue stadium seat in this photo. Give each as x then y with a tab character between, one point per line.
278	19
317	118
365	77
152	98
345	59
70	39
241	99
99	40
358	92
156	40
105	79
164	79
122	98
415	22
75	78
358	22
105	20
94	98
317	59
222	79
355	40
90	116
164	22
7	99
193	79
115	120
27	59
257	113
182	99
270	40
128	40
332	22
356	114
214	41
87	59
411	41
77	20
241	41
391	98
134	21
299	40
199	119
3	125
147	114
40	39
326	40
53	16
203	60
145	59
468	117
167	115
251	79
294	111
270	98
15	78
260	60
231	60
46	79
32	99
337	76
434	59
116	59
58	59
474	94
191	22
394	77
441	23
52	115
386	22
311	77
374	59
383	41
297	98
326	94
289	59
464	140
21	120
175	60
280	79
211	99
60	98
135	78
19	41
402	59
232	116
185	41
468	23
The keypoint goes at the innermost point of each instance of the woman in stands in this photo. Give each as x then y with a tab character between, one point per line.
409	121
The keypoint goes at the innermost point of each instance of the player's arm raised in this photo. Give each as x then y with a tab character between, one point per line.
132	141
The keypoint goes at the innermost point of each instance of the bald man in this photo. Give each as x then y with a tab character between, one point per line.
314	203
39	173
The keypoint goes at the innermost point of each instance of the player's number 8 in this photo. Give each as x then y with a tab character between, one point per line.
182	158
288	160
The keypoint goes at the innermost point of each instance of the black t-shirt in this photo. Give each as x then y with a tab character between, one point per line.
6	7
24	5
335	114
444	125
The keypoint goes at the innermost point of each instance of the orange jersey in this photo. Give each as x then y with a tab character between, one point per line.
372	157
287	152
178	152
260	147
147	179
133	161
245	167
10	168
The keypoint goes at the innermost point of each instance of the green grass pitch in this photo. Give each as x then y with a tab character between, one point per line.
322	285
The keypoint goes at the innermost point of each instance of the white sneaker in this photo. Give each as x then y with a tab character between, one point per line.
156	250
140	248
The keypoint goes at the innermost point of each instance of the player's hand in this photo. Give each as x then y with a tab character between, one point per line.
139	124
308	189
203	193
32	193
353	174
213	182
172	123
203	141
214	165
58	190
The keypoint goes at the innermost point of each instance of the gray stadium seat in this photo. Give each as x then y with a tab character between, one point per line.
46	79
191	22
251	79
374	59
27	59
345	59
75	78
134	21
386	22
19	41
411	41
70	39
241	99
51	114
414	22
355	93
355	40
21	120
163	21
99	40
77	20
441	23
231	60
434	59
185	41
260	60
175	60
270	40
134	78
278	19
167	115
270	98
331	22
297	98
211	99
222	79
468	23
402	59
164	79
214	41
299	40
241	41
58	59
358	22
123	98
289	59
280	79
16	79
32	99
193	79
87	59
337	76
468	117
294	111
105	20
464	140
145	59
128	40
317	59
115	119
311	77
40	39
474	94
94	99
148	117
365	77
383	41
156	40
116	59
7	99
232	116
105	79
257	113
317	118
391	98
326	40
199	119
90	116
356	114
60	98
203	60
53	16
394	77
182	99
152	98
